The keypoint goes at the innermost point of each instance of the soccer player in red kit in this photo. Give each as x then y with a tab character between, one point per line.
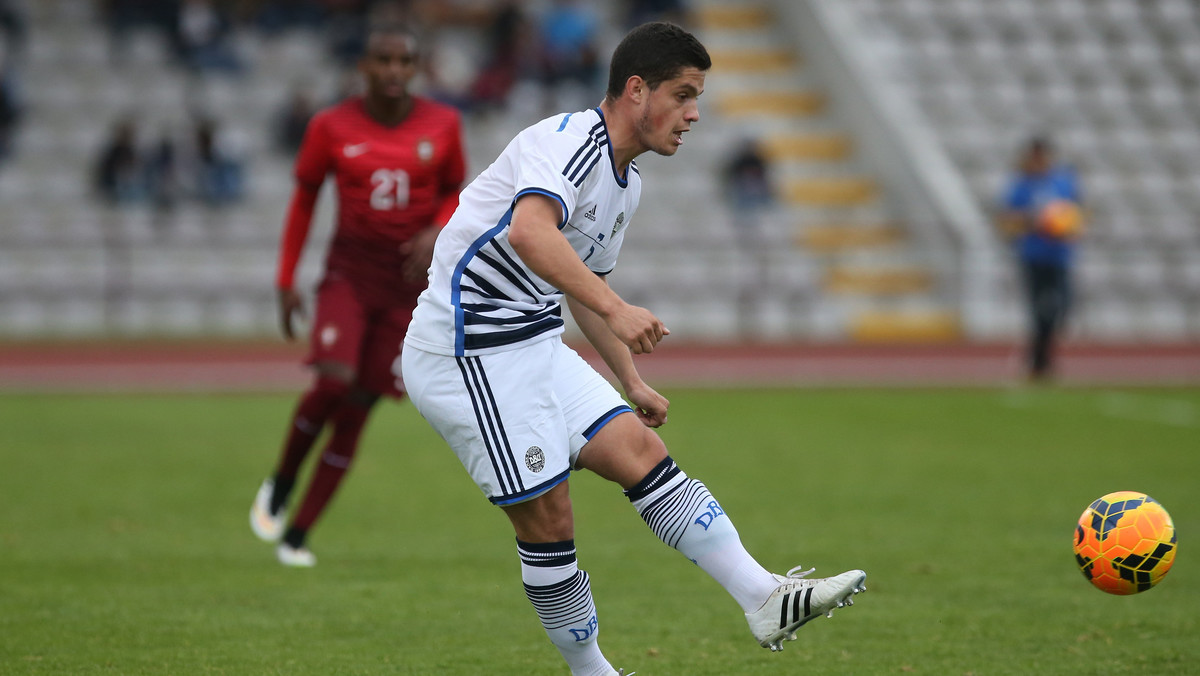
398	163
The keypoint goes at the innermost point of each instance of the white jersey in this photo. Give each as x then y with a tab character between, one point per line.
481	297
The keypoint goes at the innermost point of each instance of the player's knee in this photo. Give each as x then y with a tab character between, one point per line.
649	447
339	460
335	371
362	398
546	518
331	388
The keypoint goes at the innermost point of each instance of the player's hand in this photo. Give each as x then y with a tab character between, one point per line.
637	327
418	254
649	406
290	306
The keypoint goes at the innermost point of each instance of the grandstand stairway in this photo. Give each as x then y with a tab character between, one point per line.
1114	83
865	280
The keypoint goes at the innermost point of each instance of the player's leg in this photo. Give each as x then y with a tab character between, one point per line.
558	589
269	512
378	374
679	509
1040	317
609	440
331	384
682	512
333	354
1045	309
499	415
1058	302
346	426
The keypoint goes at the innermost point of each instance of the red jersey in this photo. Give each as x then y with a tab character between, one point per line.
392	182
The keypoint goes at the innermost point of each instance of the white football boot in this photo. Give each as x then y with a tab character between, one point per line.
267	526
293	557
799	599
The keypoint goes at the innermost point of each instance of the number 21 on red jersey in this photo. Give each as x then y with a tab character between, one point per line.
389	189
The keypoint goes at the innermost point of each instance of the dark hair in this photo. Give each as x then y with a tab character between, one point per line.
390	30
657	51
1040	143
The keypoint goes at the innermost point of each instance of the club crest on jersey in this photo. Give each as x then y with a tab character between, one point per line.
425	150
329	335
617	226
535	459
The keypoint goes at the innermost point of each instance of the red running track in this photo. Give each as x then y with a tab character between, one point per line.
240	367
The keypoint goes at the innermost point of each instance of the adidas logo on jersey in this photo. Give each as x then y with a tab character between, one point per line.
591	214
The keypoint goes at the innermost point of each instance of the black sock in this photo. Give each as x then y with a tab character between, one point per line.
283	488
294	537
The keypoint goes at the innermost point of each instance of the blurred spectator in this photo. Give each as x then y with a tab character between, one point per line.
162	174
202	38
119	176
10	109
640	11
745	179
273	16
1041	212
123	16
208	169
569	35
293	120
506	35
217	171
747	184
12	23
345	26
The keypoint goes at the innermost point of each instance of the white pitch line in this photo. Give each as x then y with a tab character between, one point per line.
1145	408
1122	405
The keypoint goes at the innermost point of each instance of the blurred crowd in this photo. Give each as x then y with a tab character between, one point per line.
477	55
168	170
13	30
481	55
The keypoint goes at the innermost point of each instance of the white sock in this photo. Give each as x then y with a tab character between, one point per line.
683	513
562	596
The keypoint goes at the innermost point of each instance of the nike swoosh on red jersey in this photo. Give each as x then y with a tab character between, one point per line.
355	150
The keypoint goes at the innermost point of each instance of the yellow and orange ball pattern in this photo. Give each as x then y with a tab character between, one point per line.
1125	543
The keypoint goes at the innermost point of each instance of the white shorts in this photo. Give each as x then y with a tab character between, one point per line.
516	419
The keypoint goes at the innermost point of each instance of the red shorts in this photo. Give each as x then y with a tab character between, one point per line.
349	331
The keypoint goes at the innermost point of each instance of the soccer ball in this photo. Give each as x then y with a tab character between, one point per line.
1062	219
1125	542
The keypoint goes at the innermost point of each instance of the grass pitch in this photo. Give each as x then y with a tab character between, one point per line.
125	549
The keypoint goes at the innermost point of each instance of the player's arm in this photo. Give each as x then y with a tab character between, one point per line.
312	163
535	236
1013	223
1013	219
650	406
295	233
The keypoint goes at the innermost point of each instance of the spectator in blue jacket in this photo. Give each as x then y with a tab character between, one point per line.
1041	211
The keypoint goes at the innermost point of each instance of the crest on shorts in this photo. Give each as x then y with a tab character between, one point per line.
329	335
535	459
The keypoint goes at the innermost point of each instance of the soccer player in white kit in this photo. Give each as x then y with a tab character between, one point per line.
484	362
